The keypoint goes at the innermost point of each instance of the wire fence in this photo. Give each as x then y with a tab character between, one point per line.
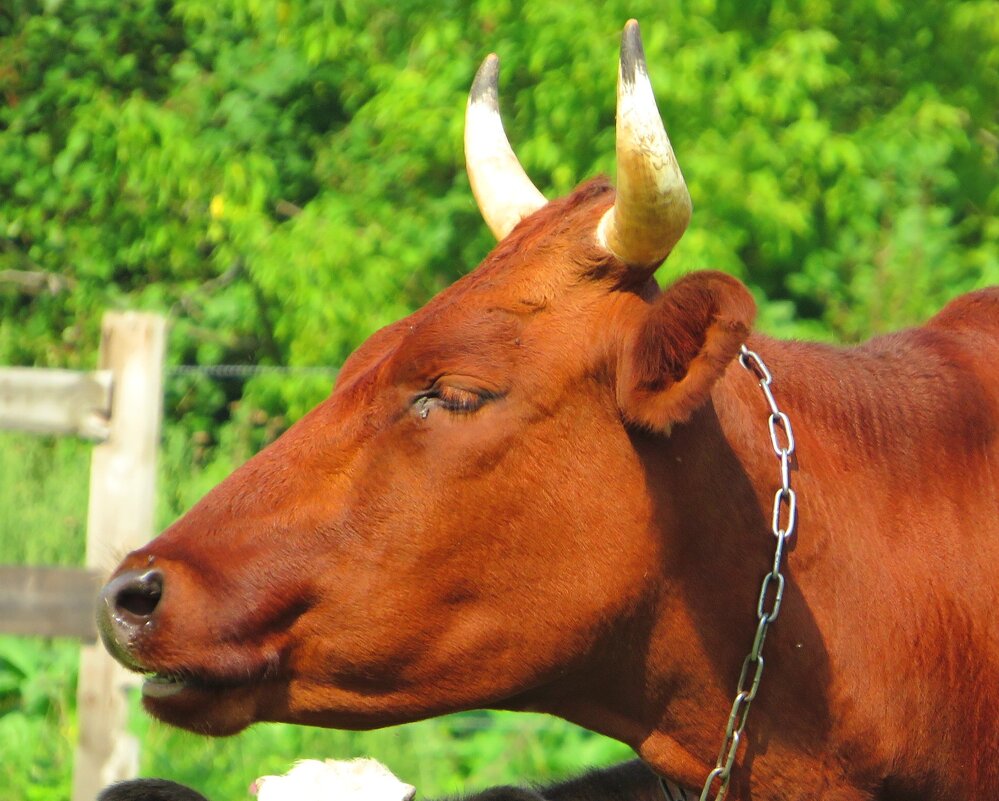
242	371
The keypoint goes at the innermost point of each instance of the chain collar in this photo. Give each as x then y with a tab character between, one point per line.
784	520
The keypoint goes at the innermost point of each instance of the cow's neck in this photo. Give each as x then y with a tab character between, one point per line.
712	578
667	686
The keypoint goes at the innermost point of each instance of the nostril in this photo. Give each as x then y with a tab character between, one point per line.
126	606
139	596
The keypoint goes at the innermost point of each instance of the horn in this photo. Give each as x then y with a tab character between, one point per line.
652	207
501	187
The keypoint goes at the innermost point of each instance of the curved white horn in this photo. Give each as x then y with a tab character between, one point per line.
501	187
652	208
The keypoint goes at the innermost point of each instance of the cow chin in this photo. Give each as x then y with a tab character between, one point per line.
211	711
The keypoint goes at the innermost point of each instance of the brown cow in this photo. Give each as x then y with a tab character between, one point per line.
551	488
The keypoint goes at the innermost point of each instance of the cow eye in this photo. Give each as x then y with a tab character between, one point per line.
454	399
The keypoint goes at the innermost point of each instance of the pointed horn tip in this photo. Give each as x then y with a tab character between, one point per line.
632	53
485	86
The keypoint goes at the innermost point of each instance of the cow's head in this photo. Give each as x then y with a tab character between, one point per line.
467	520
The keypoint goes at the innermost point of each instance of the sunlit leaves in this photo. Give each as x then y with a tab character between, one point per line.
285	177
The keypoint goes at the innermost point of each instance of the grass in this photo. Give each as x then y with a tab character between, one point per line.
43	500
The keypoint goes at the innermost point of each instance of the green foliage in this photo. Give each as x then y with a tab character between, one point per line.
284	178
37	724
43	498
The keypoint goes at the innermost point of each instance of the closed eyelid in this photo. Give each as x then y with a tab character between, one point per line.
453	397
488	388
460	399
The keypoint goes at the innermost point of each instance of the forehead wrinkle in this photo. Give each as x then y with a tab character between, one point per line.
370	353
362	384
453	339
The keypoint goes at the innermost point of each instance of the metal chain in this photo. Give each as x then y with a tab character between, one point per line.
784	520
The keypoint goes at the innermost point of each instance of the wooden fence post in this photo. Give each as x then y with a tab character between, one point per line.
120	519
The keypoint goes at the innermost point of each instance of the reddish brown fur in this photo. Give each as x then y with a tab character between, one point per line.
590	541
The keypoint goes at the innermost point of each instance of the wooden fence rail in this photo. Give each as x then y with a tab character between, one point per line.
46	401
49	601
120	405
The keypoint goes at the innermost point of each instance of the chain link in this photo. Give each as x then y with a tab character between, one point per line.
784	521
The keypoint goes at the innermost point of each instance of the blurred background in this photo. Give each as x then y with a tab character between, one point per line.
283	178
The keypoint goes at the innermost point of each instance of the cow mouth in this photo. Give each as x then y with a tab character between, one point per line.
161	685
164	684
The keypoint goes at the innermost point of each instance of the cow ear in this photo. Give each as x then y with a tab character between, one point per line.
672	358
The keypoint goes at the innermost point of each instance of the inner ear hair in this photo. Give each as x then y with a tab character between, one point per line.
681	348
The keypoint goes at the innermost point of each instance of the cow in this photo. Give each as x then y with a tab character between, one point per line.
552	489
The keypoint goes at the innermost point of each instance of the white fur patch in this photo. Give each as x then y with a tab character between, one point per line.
334	780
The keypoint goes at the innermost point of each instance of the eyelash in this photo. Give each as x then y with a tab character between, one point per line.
457	401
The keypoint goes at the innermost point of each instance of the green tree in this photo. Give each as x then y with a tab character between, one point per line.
283	178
